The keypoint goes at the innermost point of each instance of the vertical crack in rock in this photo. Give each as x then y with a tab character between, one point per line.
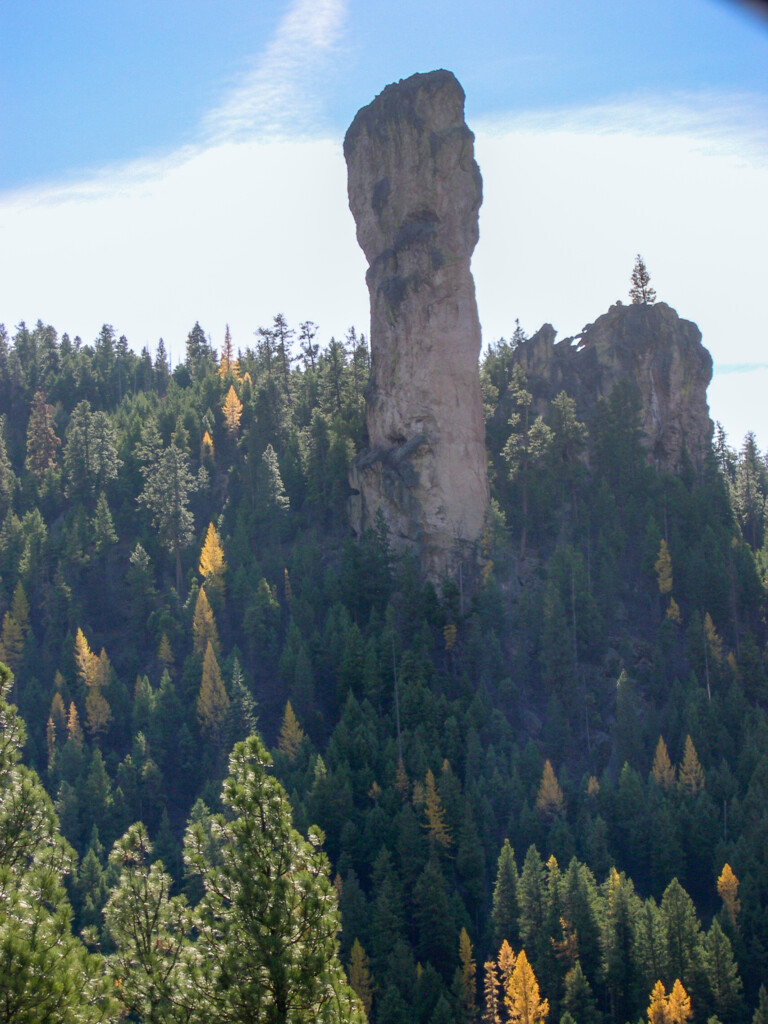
415	192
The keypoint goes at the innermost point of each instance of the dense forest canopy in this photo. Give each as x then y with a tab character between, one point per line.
544	797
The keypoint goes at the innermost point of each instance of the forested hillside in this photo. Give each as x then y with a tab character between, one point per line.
555	766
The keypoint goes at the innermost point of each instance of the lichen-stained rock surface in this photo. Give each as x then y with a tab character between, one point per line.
415	191
649	346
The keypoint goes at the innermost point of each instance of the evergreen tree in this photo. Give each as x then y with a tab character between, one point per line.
42	442
168	484
47	974
641	291
504	913
268	919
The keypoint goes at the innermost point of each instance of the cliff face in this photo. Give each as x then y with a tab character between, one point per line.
415	191
651	347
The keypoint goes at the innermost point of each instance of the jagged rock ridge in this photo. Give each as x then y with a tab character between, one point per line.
415	191
649	346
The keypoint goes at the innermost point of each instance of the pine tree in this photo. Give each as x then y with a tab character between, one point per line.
42	441
722	974
11	642
641	291
212	701
168	484
504	912
102	525
47	973
153	966
522	996
268	920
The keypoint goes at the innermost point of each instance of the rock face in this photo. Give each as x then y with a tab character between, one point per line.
651	347
415	191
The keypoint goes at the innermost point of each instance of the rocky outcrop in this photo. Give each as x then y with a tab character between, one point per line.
415	191
649	346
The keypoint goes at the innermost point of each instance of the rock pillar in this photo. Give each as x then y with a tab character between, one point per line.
415	191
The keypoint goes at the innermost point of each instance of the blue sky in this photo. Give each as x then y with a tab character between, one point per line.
166	162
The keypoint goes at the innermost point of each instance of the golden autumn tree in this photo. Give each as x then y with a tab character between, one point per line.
663	771
207	450
291	733
359	974
506	961
522	996
204	629
20	607
437	830
663	567
58	714
728	890
679	1004
165	653
657	1008
468	969
491	1010
691	773
74	729
212	701
212	562
98	713
549	800
233	410
94	671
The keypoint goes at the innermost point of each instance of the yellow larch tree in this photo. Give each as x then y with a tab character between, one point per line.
98	713
663	771
20	608
58	714
549	800
291	733
213	565
679	1004
74	729
359	974
491	1011
522	997
164	652
233	410
657	1008
212	701
468	969
207	451
204	629
691	773
728	890
437	830
663	567
507	961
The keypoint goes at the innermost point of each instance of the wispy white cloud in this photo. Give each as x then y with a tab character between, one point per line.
276	96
